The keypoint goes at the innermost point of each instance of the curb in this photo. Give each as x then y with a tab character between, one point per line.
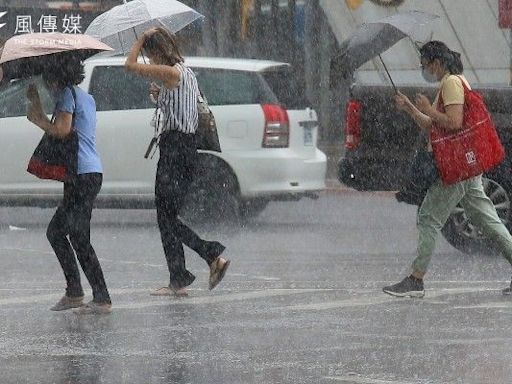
333	186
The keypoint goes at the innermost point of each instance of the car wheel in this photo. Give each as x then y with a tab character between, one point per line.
250	209
463	235
212	201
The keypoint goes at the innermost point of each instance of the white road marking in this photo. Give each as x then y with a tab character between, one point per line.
152	301
380	298
358	300
363	380
215	299
494	305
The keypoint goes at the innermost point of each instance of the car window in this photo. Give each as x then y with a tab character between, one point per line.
226	87
115	89
14	103
285	84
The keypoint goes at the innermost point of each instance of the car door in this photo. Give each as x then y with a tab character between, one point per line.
124	112
19	137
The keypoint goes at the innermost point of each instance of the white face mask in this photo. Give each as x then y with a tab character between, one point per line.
429	77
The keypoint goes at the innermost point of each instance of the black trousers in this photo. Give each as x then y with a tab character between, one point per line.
174	175
73	219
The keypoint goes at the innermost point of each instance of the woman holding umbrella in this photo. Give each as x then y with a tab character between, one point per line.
75	113
177	99
440	64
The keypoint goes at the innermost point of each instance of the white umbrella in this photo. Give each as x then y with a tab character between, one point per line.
120	26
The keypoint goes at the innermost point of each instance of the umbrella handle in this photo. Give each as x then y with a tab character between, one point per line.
390	79
136	38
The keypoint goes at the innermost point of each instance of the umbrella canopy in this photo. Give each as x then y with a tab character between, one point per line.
373	38
26	55
120	26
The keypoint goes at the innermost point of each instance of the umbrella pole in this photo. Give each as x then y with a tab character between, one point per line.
137	38
386	69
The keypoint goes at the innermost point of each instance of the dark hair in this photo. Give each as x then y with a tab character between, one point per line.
163	43
438	50
64	69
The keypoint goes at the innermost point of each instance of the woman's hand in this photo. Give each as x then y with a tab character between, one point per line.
33	94
423	104
154	90
402	102
35	110
34	114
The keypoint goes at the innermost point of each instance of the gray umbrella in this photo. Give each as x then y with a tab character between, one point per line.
373	38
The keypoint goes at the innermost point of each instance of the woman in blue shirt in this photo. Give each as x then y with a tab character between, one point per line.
75	111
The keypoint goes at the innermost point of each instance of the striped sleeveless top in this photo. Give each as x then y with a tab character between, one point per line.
179	105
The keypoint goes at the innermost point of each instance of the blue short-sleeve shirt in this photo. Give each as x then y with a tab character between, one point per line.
85	126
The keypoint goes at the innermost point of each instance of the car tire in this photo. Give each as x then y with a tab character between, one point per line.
249	209
463	235
212	200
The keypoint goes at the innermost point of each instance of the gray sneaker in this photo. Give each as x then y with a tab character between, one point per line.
408	287
68	302
92	308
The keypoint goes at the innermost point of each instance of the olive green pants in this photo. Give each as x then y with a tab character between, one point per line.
440	202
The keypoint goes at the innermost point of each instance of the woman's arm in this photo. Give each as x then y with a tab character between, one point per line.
168	75
450	120
60	128
452	93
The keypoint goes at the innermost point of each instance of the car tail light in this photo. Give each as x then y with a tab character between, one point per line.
277	127
353	124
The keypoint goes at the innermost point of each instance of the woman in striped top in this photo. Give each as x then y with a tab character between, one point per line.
177	99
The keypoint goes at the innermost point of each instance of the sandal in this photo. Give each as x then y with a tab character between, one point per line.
168	291
217	272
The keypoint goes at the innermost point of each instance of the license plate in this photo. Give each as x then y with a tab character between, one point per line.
308	136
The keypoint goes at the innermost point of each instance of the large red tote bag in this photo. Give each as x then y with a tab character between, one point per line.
474	149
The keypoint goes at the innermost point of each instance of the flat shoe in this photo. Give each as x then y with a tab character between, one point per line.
68	302
163	291
182	292
217	273
92	308
167	291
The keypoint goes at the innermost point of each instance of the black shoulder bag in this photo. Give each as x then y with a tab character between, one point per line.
207	137
54	158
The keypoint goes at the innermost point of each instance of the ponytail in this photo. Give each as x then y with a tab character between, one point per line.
454	64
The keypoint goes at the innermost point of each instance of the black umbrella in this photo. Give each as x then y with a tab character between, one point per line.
373	38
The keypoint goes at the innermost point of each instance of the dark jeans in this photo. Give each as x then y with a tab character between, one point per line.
174	175
73	219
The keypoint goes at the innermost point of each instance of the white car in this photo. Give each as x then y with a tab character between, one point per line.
268	138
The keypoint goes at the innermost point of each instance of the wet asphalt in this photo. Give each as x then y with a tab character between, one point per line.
301	303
